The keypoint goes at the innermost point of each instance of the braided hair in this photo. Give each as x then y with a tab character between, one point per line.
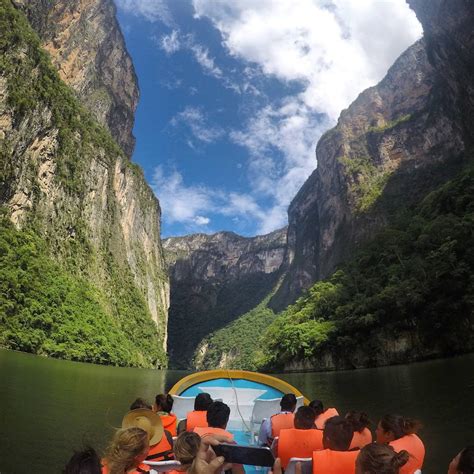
380	459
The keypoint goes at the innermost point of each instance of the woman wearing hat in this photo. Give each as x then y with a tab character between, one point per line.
128	449
160	440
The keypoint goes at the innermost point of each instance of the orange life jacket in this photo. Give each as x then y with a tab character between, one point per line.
163	450
294	443
325	415
328	461
203	431
169	422
416	450
139	470
359	440
282	421
196	418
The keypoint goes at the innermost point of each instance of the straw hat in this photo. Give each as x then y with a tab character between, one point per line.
147	420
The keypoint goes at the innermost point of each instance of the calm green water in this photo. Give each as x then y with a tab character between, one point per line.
48	407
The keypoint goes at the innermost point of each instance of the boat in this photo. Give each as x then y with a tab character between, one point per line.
251	397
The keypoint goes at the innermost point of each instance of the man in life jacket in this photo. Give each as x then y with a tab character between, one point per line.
217	417
197	417
321	414
336	458
161	441
300	441
271	427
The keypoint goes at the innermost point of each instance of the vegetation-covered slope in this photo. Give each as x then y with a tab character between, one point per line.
408	294
75	281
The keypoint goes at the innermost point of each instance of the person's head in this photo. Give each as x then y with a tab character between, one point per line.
83	462
380	459
337	434
164	402
288	402
304	418
317	406
392	427
140	403
202	402
186	448
129	448
463	463
218	415
359	420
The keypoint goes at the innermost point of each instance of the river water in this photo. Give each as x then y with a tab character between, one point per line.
49	407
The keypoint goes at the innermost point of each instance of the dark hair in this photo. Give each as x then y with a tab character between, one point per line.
140	403
358	419
304	418
218	415
202	401
380	459
317	406
83	462
165	402
399	425
466	460
337	434
288	402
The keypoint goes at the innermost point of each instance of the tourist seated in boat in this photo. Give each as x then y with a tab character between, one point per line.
336	458
463	462
126	452
163	406
161	441
218	415
197	417
380	459
86	461
321	414
140	403
300	441
360	424
271	427
400	433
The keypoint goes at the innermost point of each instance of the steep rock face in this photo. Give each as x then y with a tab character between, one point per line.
63	177
215	279
396	142
88	49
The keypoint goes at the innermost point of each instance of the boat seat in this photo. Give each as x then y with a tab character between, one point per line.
262	409
306	465
163	466
182	405
273	447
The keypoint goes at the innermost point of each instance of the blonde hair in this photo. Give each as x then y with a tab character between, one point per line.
186	448
125	446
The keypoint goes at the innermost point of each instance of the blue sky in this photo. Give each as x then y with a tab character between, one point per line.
236	93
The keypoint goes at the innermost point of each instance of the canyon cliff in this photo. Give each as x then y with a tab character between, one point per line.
66	185
215	279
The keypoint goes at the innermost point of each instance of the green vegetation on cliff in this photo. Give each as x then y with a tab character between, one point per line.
233	346
60	295
45	310
416	275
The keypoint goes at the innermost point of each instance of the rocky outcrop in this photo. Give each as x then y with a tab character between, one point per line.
88	49
62	175
396	142
215	279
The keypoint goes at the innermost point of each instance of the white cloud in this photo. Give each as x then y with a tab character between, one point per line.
151	10
170	43
201	55
194	119
189	205
330	50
